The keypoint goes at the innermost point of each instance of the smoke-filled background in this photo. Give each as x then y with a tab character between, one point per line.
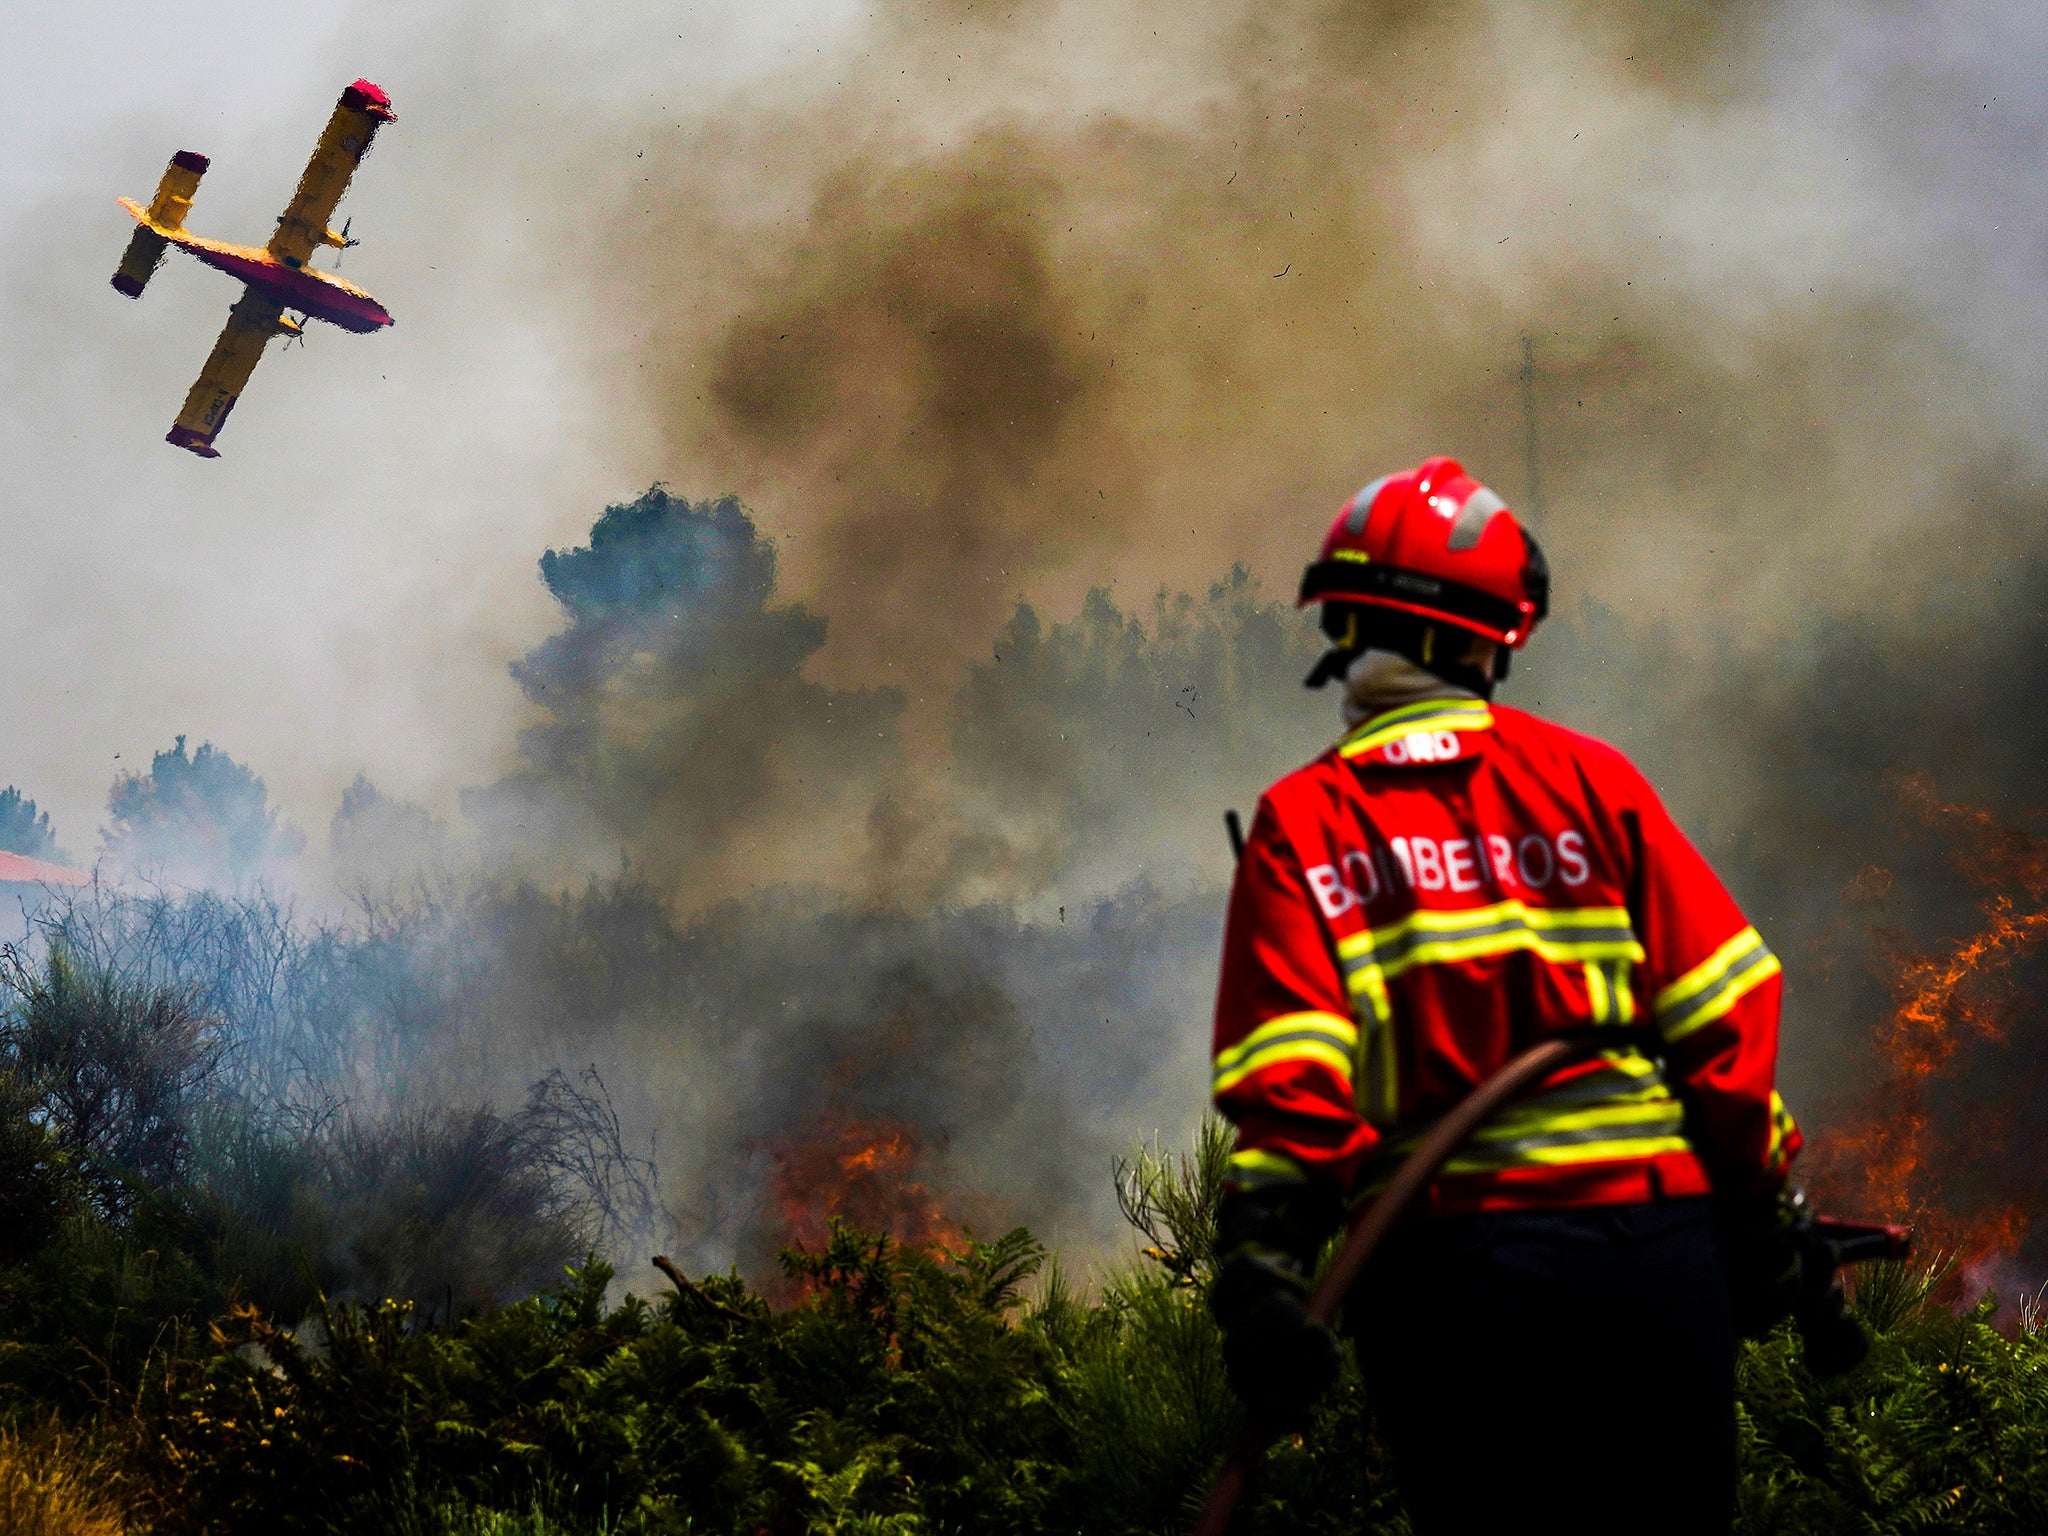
862	828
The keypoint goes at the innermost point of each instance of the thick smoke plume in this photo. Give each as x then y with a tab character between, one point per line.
919	1057
948	1046
885	794
961	320
959	332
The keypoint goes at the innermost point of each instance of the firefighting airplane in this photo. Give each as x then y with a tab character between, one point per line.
277	277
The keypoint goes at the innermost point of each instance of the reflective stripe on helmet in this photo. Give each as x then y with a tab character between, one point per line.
1361	505
1472	519
1347	576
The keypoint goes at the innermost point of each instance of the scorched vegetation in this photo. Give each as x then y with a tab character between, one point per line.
224	1310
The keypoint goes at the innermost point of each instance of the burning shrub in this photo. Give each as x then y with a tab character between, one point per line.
860	1173
1940	1139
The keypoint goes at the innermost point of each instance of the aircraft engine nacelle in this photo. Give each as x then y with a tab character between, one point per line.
167	209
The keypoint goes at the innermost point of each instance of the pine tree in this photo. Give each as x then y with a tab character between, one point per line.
198	818
24	829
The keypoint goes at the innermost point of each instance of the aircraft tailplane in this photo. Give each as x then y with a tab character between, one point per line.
167	210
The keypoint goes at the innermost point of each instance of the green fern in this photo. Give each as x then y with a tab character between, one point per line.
907	1393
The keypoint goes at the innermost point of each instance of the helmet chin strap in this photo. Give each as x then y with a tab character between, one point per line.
1457	656
1340	623
1333	663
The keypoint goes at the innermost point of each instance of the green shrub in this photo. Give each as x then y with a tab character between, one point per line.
1945	1427
902	1391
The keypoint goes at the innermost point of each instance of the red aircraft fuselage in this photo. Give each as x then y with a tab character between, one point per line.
320	295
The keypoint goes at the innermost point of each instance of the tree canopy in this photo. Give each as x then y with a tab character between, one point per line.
197	818
26	830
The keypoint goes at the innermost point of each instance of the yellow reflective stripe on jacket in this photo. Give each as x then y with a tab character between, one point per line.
1429	715
1627	1094
1250	1168
1608	994
1707	991
1625	1110
1378	1095
1607	1146
1363	980
1430	937
1425	937
1321	1037
1782	1126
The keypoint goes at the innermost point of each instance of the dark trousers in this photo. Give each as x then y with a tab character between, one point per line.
1555	1370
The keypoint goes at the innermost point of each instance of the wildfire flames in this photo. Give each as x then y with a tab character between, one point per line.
862	1172
1933	1142
1896	1157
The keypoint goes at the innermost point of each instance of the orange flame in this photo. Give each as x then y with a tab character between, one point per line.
861	1172
1894	1152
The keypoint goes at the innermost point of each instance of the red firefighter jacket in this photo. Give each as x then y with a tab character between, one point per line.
1449	884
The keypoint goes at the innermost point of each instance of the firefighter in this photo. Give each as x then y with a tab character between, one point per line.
1549	1341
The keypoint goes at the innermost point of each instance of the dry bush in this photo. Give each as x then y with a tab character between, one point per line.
116	1069
51	1485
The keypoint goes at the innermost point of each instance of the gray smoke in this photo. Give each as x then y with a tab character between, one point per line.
980	314
1018	1039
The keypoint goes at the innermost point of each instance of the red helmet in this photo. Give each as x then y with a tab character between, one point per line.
1435	542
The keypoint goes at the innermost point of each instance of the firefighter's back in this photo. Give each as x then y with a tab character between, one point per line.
1549	1342
1475	865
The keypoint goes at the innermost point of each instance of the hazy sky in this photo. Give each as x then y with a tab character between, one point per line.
345	588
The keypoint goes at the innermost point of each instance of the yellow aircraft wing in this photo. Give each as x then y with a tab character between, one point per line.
303	226
251	324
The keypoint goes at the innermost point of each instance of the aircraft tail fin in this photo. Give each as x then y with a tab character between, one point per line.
166	211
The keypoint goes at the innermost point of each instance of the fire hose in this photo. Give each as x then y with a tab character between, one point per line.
1822	1318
